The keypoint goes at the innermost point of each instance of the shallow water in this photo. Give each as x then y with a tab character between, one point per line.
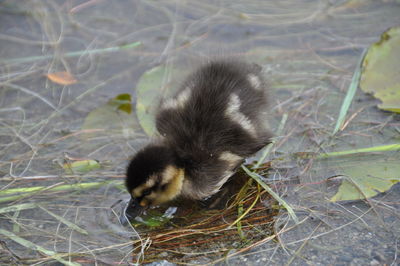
309	50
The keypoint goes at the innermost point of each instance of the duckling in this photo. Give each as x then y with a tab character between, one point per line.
213	122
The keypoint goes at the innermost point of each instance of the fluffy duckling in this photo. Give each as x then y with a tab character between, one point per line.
206	130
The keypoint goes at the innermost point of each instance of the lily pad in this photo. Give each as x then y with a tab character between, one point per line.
380	75
152	86
114	116
367	179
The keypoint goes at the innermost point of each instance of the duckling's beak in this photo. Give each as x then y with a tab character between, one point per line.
132	210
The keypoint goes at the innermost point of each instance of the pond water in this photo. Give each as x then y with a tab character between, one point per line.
309	51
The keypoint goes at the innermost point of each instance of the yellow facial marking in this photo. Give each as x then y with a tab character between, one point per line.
137	192
169	174
173	178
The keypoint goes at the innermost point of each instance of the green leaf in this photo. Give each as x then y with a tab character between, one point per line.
81	167
153	218
114	117
122	102
380	75
367	179
151	87
148	96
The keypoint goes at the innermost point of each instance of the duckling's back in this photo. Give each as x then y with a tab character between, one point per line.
219	108
213	122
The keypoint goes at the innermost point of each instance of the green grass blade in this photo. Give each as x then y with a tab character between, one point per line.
66	222
267	150
11	198
26	191
16	226
383	148
256	177
78	186
243	214
239	222
33	246
350	95
18	207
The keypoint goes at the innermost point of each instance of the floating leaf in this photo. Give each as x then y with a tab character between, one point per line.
114	115
63	78
151	87
380	75
148	95
81	167
122	102
366	179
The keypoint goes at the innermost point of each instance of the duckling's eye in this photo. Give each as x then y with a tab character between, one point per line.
163	187
146	192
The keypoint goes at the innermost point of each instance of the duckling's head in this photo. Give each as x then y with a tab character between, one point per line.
153	178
